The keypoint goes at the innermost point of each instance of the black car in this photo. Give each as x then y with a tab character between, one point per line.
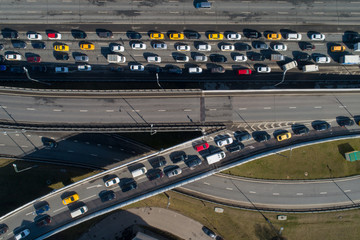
134	35
19	44
43	221
306	46
252	34
12	34
42	209
303	57
192	35
38	45
300	130
174	69
116	69
234	147
256	57
38	69
193	162
154	174
3	229
345	121
218	58
105	34
61	56
128	185
179	158
242	47
242	136
353	37
262	137
159	162
321	126
107	196
155	69
17	69
78	34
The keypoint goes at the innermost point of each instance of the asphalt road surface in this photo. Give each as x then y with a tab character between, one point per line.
225	107
175	12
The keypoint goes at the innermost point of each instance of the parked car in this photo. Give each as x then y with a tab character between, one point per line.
71	199
157	36
176	36
87	46
154	174
129	184
204	47
304	57
227	47
233	36
10	34
193	162
337	48
43	221
261	46
112	181
105	34
134	35
13	57
3	229
252	34
273	36
173	172
263	137
263	69
179	157
23	234
159	45
137	67
322	59
200	58
317	37
34	36
345	121
61	69
138	46
218	69
54	36
195	70
181	58
244	71
117	48
234	147
240	58
42	209
84	68
61	48
19	44
182	47
300	130
38	45
81	58
192	35
242	136
321	126
78	34
224	141
61	56
216	36
33	59
106	196
279	47
201	147
283	136
306	46
218	58
256	57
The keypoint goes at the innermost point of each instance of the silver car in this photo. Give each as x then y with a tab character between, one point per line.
159	45
173	172
81	58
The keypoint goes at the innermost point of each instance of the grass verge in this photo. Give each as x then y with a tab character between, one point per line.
325	160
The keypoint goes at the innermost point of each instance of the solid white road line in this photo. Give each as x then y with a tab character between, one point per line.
59	209
89	197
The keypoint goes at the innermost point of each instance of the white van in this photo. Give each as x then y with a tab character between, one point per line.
138	172
216	157
79	211
154	59
310	68
293	36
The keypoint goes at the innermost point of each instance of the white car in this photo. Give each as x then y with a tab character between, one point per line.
174	172
263	69
13	57
204	47
227	47
240	58
233	36
117	48
317	37
138	46
200	58
34	36
322	60
23	234
85	67
112	181
195	70
154	59
183	47
61	69
137	67
224	141
279	47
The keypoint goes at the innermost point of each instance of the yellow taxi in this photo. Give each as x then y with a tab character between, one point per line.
176	36
337	48
283	136
273	36
87	46
216	36
70	199
61	48
157	36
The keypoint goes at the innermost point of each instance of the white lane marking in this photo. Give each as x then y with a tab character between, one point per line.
94	155
318	2
17	134
212	109
347	190
228	188
98	185
70	151
242	108
103	12
2	144
28	135
59	209
267	107
89	197
83	110
135	110
342	106
30	109
276	194
173	1
31	0
24	146
33	213
292	107
318	12
282	12
206	183
318	107
32	12
67	12
174	12
4	107
109	110
299	194
56	110
252	192
187	110
161	110
323	193
67	0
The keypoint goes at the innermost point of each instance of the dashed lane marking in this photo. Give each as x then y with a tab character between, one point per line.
84	110
30	109
206	183
322	193
229	189
276	194
252	192
59	209
347	190
299	194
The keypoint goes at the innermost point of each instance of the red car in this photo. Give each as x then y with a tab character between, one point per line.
33	59
43	221
202	146
54	35
244	72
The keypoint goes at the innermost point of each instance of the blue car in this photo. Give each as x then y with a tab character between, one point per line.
42	209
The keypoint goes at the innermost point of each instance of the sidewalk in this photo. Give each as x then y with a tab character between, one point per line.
166	220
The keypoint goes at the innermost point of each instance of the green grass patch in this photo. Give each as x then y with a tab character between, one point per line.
19	188
325	160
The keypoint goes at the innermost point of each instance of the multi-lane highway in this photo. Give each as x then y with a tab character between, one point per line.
177	107
175	12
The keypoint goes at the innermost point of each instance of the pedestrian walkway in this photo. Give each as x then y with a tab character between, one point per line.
112	226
